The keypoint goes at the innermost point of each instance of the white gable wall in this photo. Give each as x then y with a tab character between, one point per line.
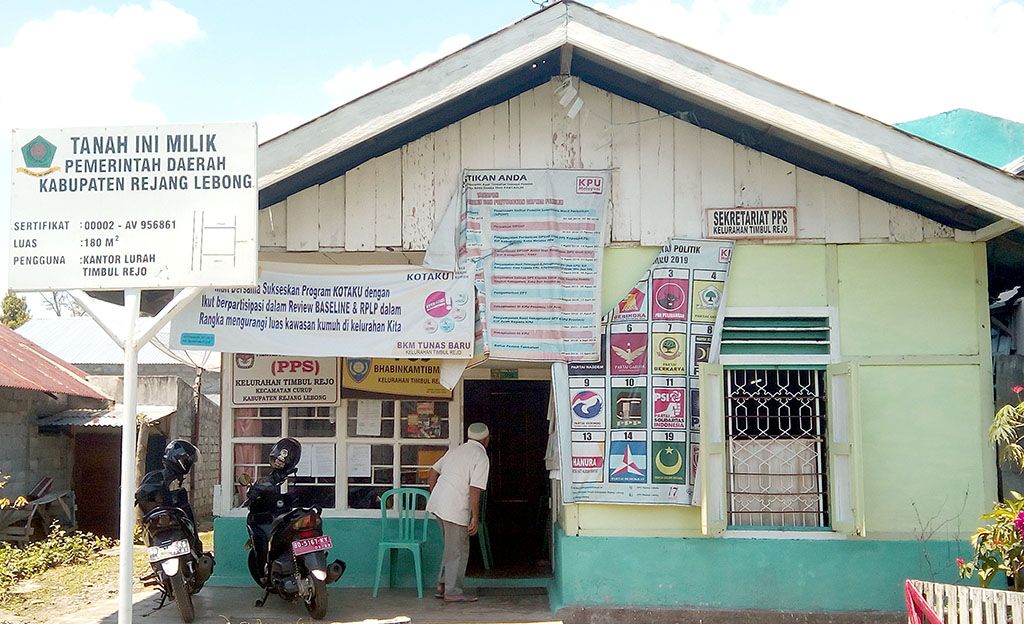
673	169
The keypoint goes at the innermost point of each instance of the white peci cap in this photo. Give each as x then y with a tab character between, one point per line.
478	431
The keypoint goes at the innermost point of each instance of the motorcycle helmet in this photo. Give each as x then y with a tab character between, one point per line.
284	455
179	457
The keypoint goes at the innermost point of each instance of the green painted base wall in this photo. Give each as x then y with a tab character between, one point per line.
728	573
355	543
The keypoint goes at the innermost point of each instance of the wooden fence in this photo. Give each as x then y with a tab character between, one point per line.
940	603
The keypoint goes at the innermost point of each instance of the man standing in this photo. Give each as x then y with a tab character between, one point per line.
456	481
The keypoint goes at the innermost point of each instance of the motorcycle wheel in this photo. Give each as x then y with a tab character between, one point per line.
182	597
316	604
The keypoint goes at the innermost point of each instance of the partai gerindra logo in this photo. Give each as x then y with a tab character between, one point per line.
38	156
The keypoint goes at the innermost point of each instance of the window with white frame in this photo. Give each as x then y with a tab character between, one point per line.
350	454
775	420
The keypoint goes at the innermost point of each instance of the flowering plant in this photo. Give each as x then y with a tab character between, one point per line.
998	545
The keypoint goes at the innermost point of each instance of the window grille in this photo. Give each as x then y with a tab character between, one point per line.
775	430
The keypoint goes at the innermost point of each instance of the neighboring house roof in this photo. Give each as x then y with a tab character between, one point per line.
81	340
992	140
110	417
569	38
26	365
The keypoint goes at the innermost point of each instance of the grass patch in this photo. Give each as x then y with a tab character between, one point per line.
59	548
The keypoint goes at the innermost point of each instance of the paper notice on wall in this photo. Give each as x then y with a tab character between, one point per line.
535	238
367	418
359	460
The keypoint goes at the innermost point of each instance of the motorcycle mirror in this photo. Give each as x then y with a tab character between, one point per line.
244	479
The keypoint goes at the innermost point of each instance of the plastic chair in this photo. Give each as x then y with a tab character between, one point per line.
404	531
483	534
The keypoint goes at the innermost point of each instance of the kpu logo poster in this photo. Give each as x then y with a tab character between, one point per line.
633	430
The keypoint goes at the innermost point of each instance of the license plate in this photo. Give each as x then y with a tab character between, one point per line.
174	549
311	544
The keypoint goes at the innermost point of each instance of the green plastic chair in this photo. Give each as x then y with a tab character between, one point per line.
405	531
483	534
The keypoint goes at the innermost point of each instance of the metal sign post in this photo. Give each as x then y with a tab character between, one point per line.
128	208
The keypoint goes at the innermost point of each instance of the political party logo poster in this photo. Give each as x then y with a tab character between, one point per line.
670	288
587	408
656	338
630	407
633	306
670	408
669	454
353	311
588	457
627	460
534	239
628	354
669	350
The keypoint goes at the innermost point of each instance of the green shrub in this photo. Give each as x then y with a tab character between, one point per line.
59	548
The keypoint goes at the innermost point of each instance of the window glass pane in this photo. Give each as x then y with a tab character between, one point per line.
251	459
311	422
370	418
416	462
364	488
263	422
424	419
309	491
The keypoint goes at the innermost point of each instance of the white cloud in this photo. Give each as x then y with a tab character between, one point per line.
80	67
354	80
894	61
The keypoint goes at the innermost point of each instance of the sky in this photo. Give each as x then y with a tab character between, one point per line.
73	64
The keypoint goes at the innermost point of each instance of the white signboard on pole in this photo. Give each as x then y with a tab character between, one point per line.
164	206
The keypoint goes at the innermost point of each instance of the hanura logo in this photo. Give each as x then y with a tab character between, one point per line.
589	186
38	156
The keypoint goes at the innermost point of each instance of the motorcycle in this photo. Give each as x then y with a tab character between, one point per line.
175	552
287	547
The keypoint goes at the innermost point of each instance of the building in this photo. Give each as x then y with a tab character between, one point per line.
166	398
869	319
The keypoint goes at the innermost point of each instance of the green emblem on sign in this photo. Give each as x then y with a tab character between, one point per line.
38	153
669	462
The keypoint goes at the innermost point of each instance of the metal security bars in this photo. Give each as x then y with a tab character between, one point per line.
775	430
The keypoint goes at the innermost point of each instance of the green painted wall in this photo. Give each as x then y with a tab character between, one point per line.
622	268
925	449
790	575
910	299
778	275
355	543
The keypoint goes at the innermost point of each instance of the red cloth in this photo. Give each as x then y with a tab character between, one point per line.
918	607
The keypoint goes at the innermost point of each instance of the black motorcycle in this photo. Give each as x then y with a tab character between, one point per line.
288	550
180	567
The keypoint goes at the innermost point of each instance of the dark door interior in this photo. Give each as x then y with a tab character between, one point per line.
518	490
96	480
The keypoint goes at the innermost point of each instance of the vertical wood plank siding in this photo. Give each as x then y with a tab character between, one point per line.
666	173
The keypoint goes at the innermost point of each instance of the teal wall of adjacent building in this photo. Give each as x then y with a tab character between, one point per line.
769	574
992	140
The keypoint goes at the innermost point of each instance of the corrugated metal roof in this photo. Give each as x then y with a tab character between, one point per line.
112	417
26	365
80	340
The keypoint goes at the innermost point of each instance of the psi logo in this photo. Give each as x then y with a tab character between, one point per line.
38	156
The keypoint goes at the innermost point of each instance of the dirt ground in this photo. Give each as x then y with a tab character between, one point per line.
68	589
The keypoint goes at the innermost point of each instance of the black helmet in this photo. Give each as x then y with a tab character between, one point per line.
284	455
179	457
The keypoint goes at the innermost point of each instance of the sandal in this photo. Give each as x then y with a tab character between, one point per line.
439	592
461	598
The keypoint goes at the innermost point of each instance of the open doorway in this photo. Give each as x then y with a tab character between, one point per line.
518	493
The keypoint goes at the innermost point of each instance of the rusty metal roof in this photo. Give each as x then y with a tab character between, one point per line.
26	365
109	417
